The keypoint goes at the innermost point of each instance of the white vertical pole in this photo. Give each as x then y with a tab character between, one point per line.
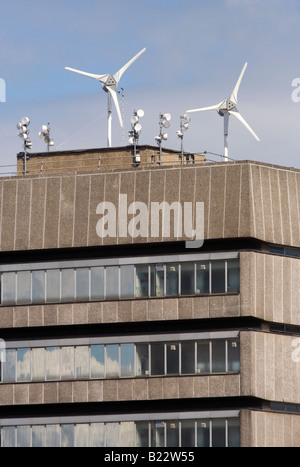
226	129
109	119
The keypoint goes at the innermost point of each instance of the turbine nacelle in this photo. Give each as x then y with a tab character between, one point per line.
226	107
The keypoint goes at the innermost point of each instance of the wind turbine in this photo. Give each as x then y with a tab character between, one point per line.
229	107
109	85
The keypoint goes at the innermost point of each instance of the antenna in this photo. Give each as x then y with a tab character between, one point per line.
184	126
134	133
109	85
45	134
164	122
229	107
22	126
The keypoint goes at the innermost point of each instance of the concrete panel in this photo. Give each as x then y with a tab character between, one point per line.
67	208
38	212
52	212
23	214
82	196
9	215
232	201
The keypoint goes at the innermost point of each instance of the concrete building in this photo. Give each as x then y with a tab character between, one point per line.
131	340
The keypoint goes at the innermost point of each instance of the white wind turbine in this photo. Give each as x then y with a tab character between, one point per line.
229	107
109	85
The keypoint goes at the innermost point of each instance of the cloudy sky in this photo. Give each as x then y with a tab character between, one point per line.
195	52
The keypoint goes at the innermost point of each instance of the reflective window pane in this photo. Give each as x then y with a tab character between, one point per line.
203	434
8	437
127	281
112	361
52	363
187	358
9	288
23	436
218	434
173	434
82	358
112	282
187	278
234	440
202	285
218	277
67	285
38	286
157	359
23	365
127	434
82	435
39	436
82	284
157	280
9	367
142	360
38	364
97	361
203	359
141	281
67	362
67	436
172	280
158	434
188	434
234	355
53	285
97	435
52	436
233	276
142	434
97	283
173	359
112	435
127	360
23	287
218	356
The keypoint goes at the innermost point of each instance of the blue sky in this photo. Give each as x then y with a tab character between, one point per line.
195	52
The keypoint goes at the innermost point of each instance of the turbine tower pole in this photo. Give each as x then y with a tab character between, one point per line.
226	132
109	119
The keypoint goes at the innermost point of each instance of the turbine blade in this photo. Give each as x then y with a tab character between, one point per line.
119	73
90	75
243	121
234	94
203	109
115	99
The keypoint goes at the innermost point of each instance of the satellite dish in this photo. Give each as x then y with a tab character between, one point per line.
187	117
25	121
134	119
167	117
44	128
165	136
138	127
166	124
140	113
131	140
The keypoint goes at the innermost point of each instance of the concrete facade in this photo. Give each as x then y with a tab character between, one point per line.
250	208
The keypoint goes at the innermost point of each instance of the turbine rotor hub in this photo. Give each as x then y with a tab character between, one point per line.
110	83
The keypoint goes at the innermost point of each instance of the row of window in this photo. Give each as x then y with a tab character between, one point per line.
121	360
174	433
115	282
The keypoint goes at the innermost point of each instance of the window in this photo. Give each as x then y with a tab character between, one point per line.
112	282
82	356
177	432
67	362
53	285
187	358
125	281
52	363
127	360
112	361
142	281
82	284
142	360
23	365
187	278
218	357
157	359
217	277
97	361
38	364
203	357
173	359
